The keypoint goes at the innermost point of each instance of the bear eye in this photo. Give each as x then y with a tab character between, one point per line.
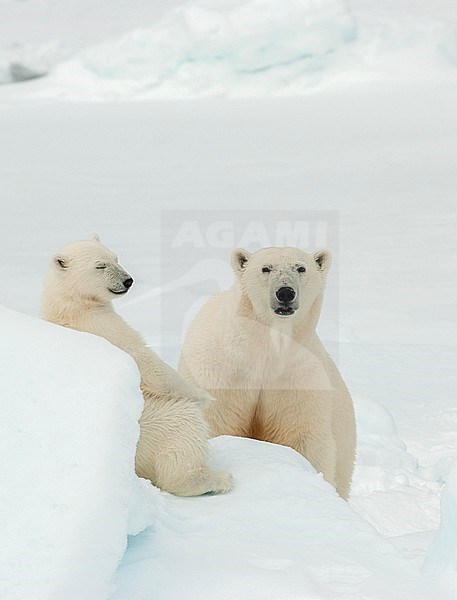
266	270
301	270
100	267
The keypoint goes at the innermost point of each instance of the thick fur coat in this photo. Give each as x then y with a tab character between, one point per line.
82	280
255	348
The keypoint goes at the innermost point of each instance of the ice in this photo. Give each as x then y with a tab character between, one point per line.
441	559
283	532
391	489
22	62
40	34
225	47
235	48
68	434
370	133
210	47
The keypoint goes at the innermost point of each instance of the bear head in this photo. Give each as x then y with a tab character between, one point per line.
87	269
281	283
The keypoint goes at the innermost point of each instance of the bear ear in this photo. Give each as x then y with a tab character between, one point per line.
95	237
323	260
240	258
61	261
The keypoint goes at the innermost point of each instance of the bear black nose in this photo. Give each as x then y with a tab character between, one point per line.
128	282
285	294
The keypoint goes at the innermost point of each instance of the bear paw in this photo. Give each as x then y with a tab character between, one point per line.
203	481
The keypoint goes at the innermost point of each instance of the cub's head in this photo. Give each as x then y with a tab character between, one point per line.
281	282
88	269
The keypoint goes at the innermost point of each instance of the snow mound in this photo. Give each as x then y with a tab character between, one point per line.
283	532
441	558
209	47
391	489
68	431
234	48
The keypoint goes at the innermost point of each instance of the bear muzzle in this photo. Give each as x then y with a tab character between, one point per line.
122	287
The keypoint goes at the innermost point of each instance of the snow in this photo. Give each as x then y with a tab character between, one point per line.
233	48
68	434
208	47
283	532
368	138
70	496
392	490
441	558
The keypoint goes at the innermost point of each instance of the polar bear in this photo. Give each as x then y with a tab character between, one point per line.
81	282
255	348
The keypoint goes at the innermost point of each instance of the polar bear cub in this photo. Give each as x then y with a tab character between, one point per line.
82	280
255	348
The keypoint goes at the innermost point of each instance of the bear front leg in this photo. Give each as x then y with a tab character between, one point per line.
302	420
320	451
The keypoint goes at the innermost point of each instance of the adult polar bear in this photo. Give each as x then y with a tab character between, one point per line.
82	280
255	348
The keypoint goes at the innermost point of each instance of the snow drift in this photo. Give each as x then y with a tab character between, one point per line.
389	480
441	559
209	47
68	431
234	48
70	497
282	532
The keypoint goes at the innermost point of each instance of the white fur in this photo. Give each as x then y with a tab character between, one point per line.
171	452
271	375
